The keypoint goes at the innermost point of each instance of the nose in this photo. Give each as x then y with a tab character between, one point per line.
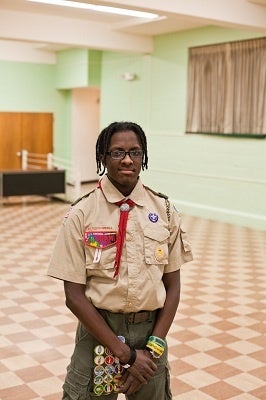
127	158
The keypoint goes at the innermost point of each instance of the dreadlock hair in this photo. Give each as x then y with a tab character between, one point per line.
103	142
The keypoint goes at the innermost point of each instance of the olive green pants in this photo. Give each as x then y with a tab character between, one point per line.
79	382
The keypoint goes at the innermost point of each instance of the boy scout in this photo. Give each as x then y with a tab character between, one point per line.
119	253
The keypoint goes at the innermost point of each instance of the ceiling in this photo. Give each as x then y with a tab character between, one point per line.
53	27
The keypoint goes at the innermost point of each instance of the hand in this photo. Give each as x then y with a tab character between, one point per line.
129	384
143	368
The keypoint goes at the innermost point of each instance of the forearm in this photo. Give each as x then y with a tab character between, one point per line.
88	315
166	314
95	324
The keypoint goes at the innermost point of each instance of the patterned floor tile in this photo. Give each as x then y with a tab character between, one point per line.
217	340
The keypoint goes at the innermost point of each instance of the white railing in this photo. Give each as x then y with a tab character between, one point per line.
35	161
72	173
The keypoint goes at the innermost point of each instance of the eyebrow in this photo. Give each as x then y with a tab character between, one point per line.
122	149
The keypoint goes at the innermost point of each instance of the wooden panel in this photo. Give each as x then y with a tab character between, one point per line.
24	131
10	140
37	132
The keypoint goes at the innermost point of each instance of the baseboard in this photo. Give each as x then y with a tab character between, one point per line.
251	220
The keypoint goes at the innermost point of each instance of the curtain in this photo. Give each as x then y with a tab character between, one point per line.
227	88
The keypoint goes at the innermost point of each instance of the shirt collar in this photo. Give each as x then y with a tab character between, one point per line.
113	195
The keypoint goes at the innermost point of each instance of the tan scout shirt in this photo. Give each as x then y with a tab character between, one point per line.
151	248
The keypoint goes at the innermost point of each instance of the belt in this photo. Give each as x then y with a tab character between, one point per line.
141	316
133	317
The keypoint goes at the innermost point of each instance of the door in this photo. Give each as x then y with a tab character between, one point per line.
10	140
36	132
85	130
24	131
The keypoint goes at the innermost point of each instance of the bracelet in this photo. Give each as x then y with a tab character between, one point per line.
156	339
159	350
132	359
153	353
155	346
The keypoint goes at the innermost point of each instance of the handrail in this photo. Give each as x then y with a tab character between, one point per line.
50	161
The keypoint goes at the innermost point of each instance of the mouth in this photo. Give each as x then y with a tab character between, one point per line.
126	171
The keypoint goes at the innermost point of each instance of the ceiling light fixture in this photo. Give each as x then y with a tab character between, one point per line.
94	7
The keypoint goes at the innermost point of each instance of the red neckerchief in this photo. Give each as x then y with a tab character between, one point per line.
125	206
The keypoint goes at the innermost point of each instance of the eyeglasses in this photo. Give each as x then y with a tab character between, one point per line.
121	154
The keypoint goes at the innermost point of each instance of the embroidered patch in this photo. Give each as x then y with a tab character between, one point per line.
100	239
153	217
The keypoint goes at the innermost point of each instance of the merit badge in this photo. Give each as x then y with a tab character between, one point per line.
98	380
108	378
108	351
98	390
99	370
99	360
99	350
153	217
109	360
116	387
108	388
118	369
109	369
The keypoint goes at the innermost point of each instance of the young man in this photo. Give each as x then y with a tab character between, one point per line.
119	253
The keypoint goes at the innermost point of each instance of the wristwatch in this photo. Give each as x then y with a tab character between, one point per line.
133	356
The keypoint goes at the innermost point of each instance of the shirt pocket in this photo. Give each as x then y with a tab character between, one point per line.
105	263
156	246
185	241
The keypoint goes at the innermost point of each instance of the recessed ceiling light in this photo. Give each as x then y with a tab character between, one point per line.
94	7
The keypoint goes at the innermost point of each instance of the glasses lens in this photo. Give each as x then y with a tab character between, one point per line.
117	154
120	154
135	153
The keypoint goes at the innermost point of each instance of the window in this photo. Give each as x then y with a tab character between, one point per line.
227	88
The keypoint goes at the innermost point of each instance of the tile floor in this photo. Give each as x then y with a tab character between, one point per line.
217	341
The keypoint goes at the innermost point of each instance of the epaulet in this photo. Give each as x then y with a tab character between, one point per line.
157	193
167	203
83	197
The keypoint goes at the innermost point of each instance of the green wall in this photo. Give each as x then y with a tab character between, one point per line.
122	99
209	176
30	87
27	87
77	68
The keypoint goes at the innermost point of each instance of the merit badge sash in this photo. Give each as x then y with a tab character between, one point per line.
107	371
99	239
